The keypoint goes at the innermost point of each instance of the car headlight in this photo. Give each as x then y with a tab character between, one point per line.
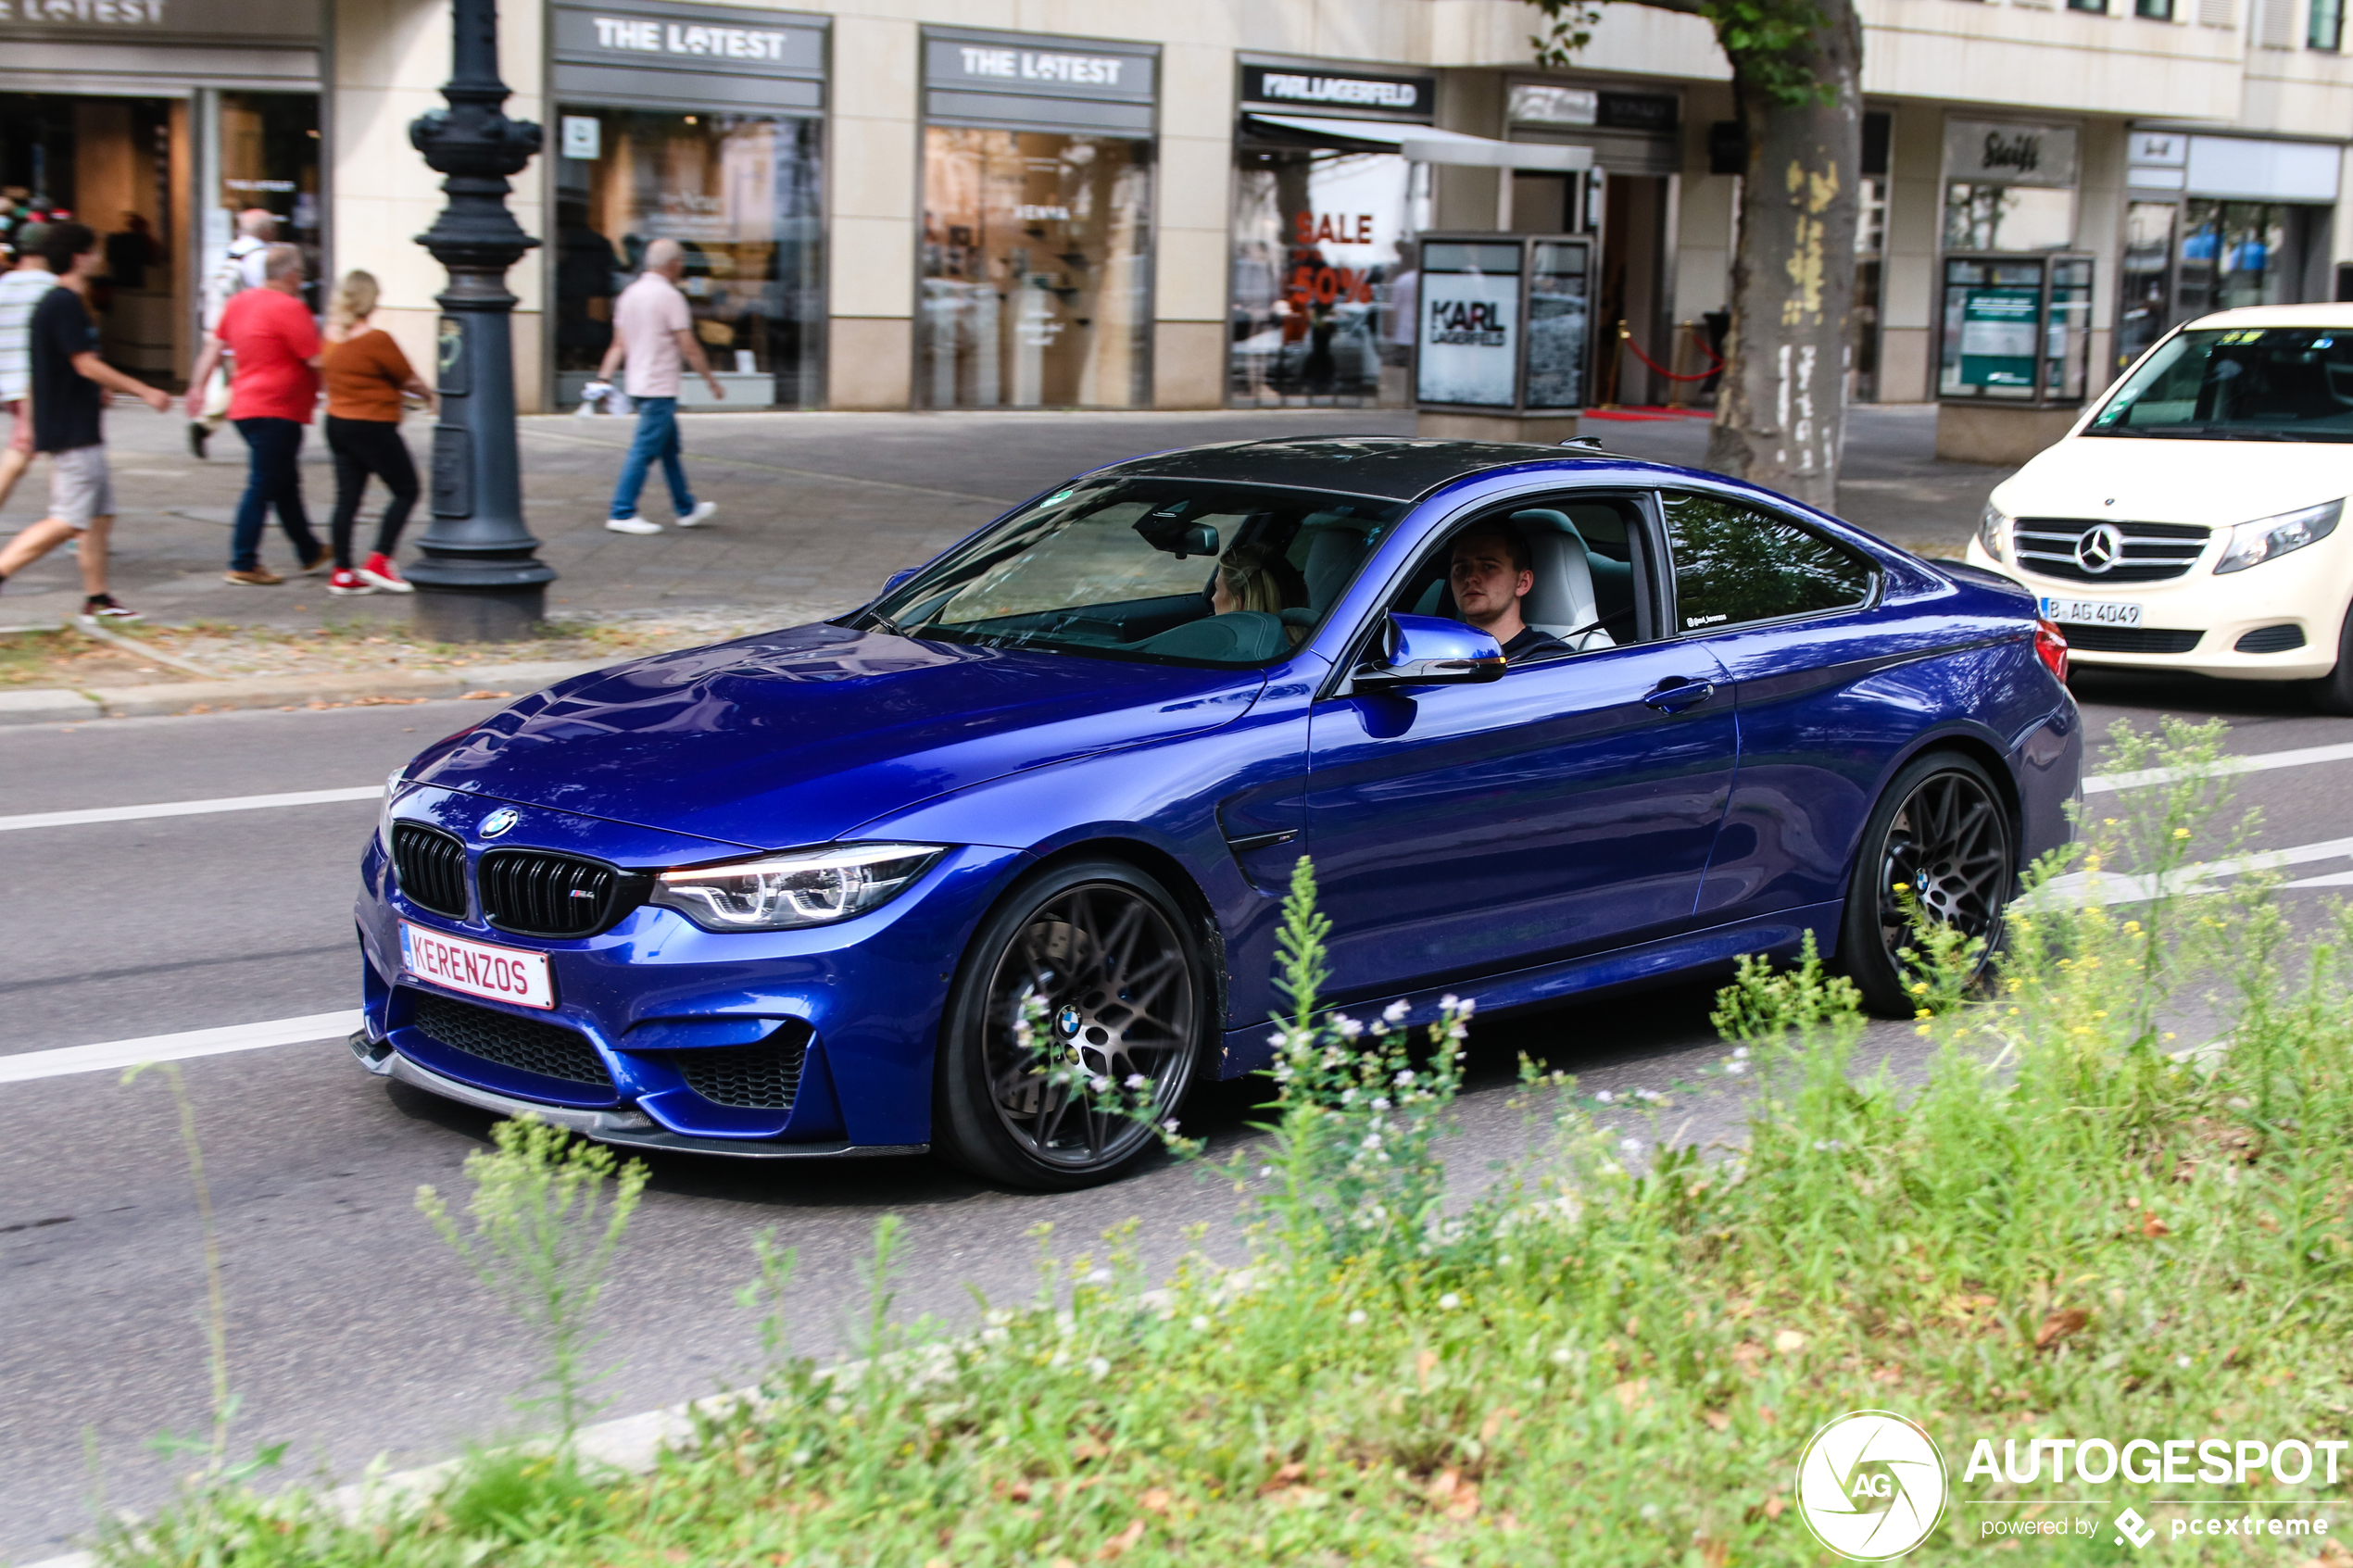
1993	532
802	887
383	811
2267	538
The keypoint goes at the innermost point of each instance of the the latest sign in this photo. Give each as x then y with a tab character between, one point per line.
694	39
1039	65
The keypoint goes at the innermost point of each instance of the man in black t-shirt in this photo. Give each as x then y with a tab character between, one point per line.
1489	575
70	384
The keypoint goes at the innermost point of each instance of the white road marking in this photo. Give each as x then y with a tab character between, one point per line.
2112	887
115	1053
2100	784
187	807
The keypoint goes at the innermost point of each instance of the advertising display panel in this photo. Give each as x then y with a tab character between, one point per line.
1471	332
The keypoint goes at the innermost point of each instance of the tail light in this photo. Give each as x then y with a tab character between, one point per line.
2050	646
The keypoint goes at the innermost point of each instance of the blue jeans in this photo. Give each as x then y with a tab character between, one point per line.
271	480
657	437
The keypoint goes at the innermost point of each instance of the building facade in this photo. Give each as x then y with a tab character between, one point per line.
952	204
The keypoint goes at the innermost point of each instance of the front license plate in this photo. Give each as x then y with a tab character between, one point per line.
504	974
2092	612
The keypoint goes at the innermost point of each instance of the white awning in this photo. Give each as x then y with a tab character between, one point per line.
1425	143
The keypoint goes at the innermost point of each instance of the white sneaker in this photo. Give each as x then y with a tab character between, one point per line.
632	525
700	514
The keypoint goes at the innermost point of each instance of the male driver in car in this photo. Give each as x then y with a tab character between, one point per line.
1491	575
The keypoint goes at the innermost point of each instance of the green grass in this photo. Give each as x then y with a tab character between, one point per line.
1614	1355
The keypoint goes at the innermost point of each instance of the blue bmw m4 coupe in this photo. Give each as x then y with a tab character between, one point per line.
1548	721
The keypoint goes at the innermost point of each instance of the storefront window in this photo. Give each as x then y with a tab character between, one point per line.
2237	253
108	162
2017	218
1870	253
2145	296
1323	310
270	159
739	192
1035	281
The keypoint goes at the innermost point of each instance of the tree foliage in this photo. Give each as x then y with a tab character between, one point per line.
1769	42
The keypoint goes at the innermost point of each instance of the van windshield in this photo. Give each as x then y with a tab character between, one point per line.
1157	571
2253	383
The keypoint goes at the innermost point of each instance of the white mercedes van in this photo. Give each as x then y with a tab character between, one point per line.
2194	518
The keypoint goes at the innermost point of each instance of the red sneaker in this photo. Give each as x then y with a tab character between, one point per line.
381	573
347	583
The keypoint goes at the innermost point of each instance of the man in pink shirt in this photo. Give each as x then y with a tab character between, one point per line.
268	335
654	332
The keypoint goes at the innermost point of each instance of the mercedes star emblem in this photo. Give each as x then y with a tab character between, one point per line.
499	821
2100	548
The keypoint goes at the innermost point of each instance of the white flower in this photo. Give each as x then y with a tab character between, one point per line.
1405	1075
1736	1067
1449	1301
1604	1097
1275	1039
1467	1006
1380	1102
1136	1080
1503	1259
1649	1511
1449	1003
1199	1323
1650	1094
1098	1276
1562	1356
1169	1126
1265	1169
1348	1028
2181	1360
1740	1054
1100	1084
800	1456
1629	1147
1098	1368
1357	1318
1395	1012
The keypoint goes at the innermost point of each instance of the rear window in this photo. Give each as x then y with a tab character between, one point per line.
1736	564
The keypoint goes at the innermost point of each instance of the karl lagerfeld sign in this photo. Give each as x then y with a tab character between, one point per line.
2002	153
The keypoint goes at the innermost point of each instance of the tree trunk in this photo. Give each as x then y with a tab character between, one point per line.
1780	415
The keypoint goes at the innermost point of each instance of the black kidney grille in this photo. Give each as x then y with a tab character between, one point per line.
2153	551
523	1044
432	865
546	895
760	1077
2271	639
2129	639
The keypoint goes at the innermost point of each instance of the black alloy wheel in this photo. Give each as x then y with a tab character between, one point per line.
1941	832
1112	972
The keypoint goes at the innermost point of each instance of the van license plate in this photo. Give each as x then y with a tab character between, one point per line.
2092	612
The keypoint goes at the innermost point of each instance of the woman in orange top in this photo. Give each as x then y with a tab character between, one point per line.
366	373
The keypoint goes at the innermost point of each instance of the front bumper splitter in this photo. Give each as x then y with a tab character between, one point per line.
628	1129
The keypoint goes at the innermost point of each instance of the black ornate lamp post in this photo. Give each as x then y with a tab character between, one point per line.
480	581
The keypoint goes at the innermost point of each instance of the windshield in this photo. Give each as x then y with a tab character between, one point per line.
2256	383
1170	570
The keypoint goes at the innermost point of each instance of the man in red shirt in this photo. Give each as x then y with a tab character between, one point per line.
273	344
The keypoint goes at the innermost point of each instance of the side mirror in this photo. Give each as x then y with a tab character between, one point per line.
1422	651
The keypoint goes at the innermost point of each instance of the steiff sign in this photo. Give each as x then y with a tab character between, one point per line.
2000	153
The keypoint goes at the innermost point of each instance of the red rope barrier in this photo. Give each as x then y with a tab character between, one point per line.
1627	339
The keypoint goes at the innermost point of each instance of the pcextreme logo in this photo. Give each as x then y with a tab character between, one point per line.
1871	1486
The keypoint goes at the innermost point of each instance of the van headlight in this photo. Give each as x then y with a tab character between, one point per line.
2267	538
1993	532
800	887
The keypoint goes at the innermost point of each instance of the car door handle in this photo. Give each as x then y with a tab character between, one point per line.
1675	695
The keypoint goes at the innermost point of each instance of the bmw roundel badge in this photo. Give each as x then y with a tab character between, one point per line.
499	821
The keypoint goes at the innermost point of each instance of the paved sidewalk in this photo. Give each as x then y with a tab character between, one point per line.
815	510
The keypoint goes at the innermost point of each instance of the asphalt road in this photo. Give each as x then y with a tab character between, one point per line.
352	1331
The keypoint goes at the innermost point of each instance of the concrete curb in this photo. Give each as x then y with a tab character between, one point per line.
50	707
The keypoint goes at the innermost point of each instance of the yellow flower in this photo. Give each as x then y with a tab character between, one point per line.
2180	832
